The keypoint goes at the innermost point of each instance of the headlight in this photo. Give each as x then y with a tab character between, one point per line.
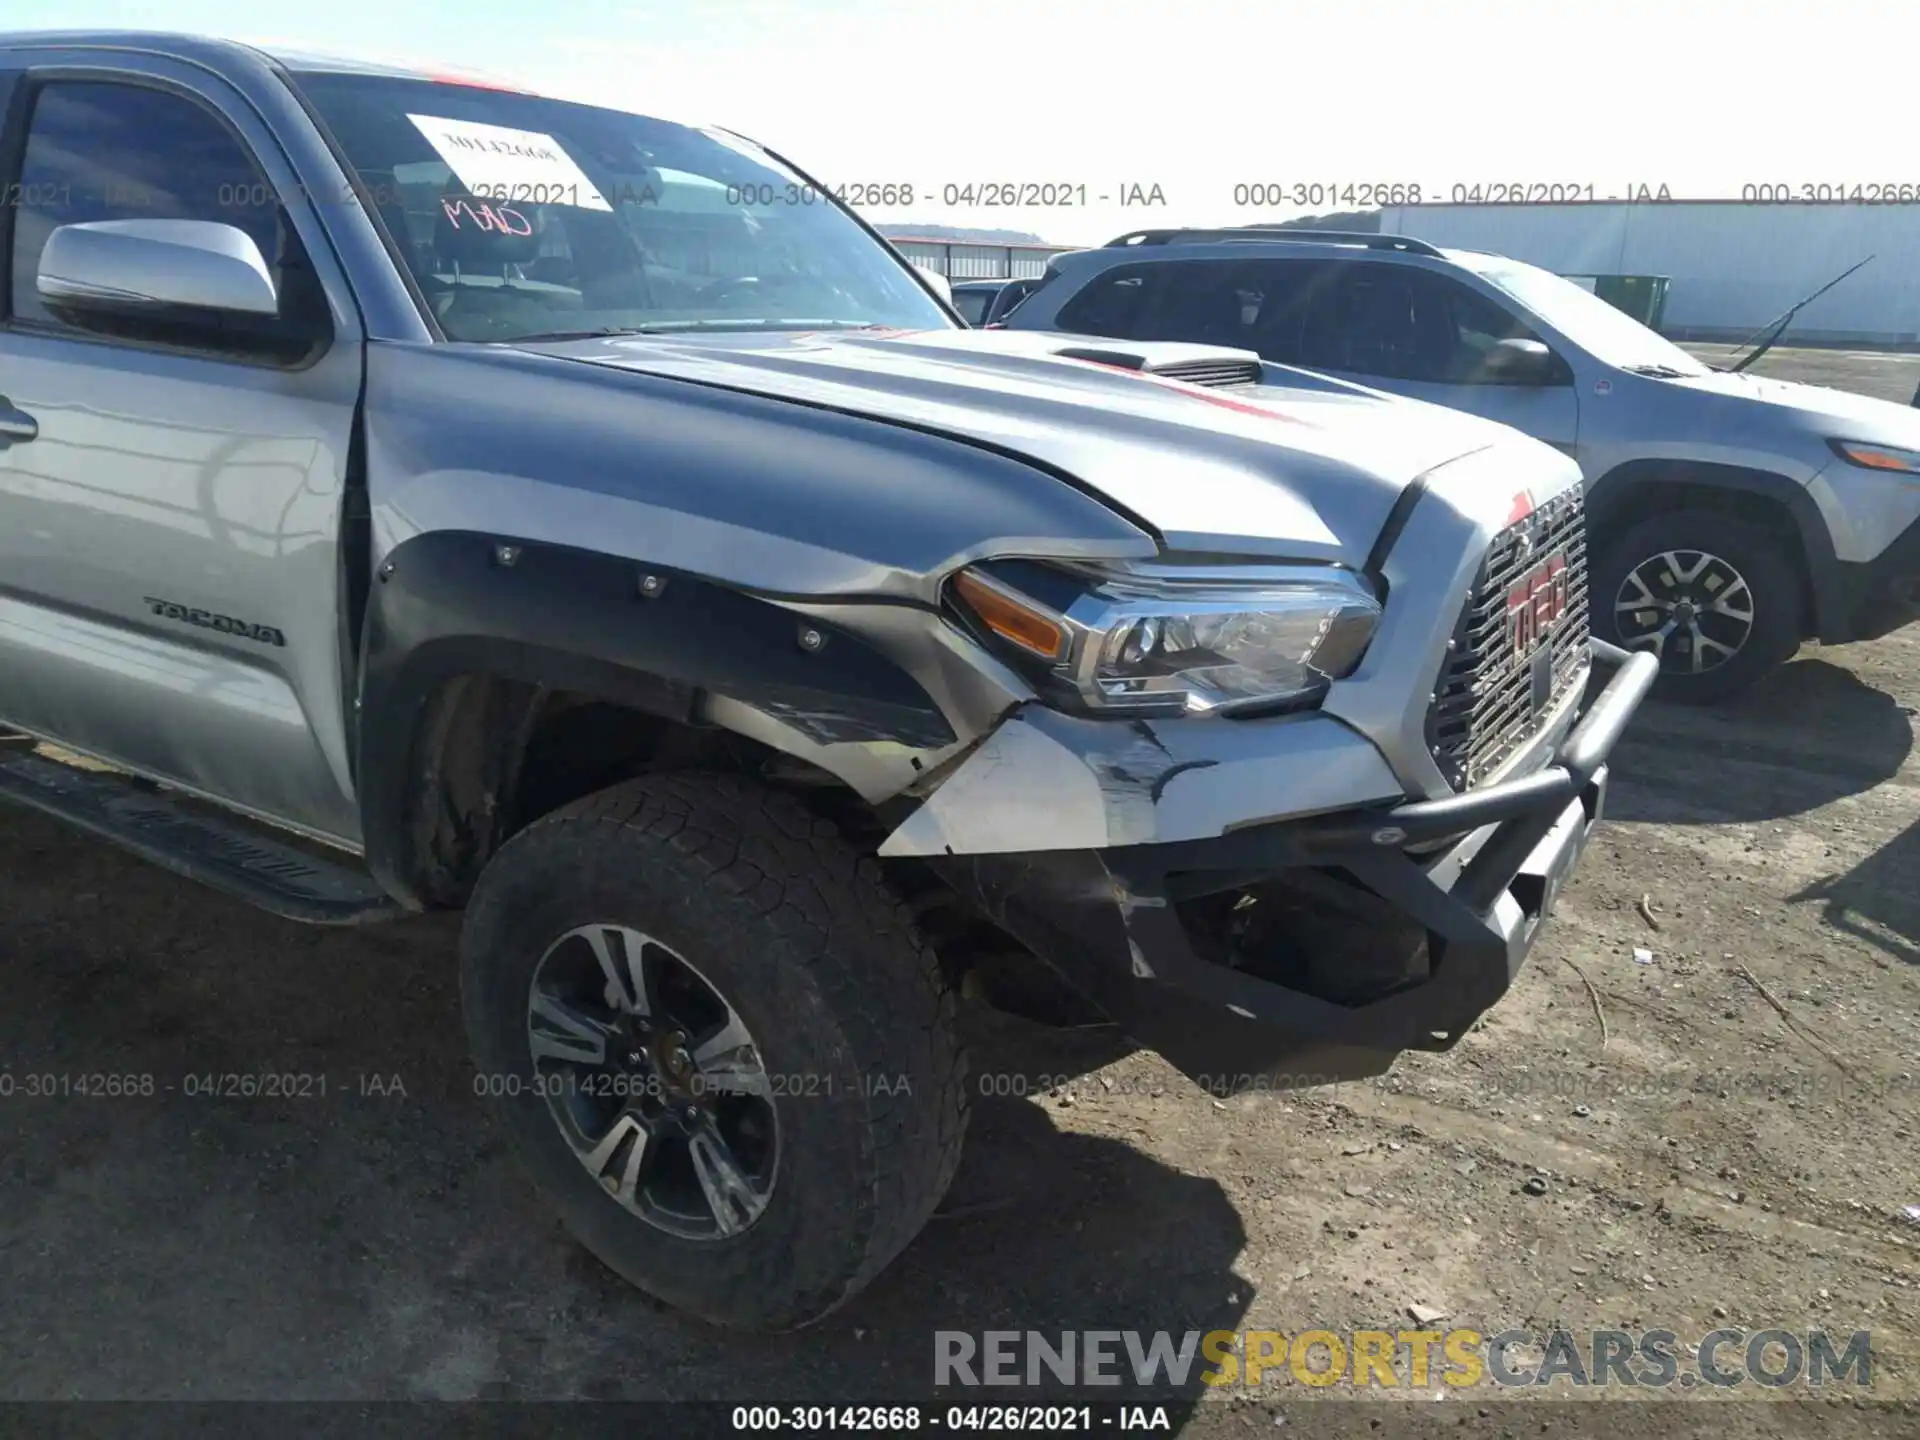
1877	457
1174	641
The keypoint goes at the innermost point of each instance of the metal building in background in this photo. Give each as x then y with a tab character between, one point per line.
971	260
1732	267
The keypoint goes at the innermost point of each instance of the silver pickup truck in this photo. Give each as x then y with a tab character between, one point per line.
422	495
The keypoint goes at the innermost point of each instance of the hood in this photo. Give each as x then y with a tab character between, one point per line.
1841	414
1304	470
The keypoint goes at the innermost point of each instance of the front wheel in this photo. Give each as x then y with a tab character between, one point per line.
718	1044
1714	596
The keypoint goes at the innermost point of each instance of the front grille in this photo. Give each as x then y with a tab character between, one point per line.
1492	699
1216	374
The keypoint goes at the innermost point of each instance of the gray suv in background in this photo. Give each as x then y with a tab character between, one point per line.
1731	517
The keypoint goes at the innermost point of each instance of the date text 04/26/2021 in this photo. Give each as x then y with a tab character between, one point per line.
198	1085
1370	194
1055	194
962	1419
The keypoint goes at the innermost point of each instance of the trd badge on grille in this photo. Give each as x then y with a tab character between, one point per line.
1535	602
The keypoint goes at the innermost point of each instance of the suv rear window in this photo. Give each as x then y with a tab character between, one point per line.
1112	304
1246	304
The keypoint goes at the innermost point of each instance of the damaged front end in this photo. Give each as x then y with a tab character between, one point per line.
1286	954
1318	824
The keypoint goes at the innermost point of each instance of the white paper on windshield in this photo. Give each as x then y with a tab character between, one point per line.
497	162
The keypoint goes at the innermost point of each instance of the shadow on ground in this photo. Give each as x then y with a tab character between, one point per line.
364	1233
1877	901
1805	736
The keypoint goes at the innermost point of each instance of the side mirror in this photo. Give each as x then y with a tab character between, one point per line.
131	268
942	286
1520	362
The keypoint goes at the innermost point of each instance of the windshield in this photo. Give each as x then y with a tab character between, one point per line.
1611	336
523	217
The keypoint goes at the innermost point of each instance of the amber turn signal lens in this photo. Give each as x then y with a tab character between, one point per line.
1011	618
1877	459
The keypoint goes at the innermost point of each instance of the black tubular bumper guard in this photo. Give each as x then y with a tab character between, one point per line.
1477	871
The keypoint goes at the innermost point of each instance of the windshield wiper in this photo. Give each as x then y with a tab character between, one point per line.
777	324
686	327
680	327
599	333
1658	372
1774	329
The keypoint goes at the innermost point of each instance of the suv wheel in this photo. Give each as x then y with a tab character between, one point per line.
1712	595
718	1043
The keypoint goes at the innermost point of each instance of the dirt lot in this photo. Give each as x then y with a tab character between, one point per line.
1705	1162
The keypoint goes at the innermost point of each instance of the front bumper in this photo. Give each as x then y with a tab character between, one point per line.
1380	929
1882	594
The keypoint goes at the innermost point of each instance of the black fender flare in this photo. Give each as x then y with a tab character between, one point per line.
448	604
1622	489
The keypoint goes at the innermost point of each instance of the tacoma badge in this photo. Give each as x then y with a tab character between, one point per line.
207	620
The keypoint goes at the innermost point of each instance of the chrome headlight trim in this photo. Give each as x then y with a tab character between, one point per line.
1332	610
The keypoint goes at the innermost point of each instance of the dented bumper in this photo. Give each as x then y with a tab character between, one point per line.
1301	951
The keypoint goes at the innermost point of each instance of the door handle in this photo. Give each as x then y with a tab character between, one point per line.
16	426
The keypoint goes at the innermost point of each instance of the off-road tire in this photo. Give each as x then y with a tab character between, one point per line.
853	1016
1772	577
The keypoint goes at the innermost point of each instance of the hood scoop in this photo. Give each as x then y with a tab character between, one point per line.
1227	370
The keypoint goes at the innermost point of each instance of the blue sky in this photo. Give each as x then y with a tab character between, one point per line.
1195	96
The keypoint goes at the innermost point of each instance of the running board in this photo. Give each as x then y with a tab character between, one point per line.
229	856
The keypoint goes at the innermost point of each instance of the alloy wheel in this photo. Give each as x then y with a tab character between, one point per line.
656	1083
1689	607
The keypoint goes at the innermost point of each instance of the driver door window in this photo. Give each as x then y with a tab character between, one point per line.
1425	335
1476	324
1400	323
113	151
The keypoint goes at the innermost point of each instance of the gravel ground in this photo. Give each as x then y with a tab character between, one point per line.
1703	1160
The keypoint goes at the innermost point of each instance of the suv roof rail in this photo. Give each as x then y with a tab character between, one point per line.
1371	239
